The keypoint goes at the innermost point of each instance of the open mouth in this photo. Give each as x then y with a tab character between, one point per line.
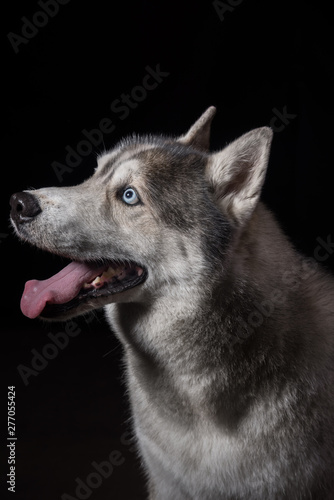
76	284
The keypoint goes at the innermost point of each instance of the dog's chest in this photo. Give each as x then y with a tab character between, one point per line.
187	441
177	446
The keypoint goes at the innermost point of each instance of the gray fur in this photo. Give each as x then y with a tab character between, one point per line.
224	407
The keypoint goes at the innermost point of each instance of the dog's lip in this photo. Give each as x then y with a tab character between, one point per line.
77	282
52	311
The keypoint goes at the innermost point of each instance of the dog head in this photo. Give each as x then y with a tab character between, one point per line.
157	212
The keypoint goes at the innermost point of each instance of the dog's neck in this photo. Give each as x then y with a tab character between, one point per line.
215	332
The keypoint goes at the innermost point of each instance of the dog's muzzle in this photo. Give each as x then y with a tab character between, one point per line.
24	207
81	285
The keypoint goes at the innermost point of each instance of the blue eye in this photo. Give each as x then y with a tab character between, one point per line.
130	196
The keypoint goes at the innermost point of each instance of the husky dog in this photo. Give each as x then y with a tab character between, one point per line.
228	332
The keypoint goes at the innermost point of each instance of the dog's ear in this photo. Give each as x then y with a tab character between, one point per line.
236	174
198	136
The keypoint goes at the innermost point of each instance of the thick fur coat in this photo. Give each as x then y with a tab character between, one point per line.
228	332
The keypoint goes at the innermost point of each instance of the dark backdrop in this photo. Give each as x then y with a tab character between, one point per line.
66	68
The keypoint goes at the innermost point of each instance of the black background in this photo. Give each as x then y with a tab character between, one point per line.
262	58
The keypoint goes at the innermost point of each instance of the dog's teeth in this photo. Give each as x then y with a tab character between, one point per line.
110	272
105	276
97	281
139	271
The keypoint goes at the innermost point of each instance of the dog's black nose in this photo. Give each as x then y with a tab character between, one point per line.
25	207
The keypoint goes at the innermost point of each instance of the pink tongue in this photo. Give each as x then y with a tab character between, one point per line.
59	289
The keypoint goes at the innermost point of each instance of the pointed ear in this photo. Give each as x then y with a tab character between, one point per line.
198	135
236	174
